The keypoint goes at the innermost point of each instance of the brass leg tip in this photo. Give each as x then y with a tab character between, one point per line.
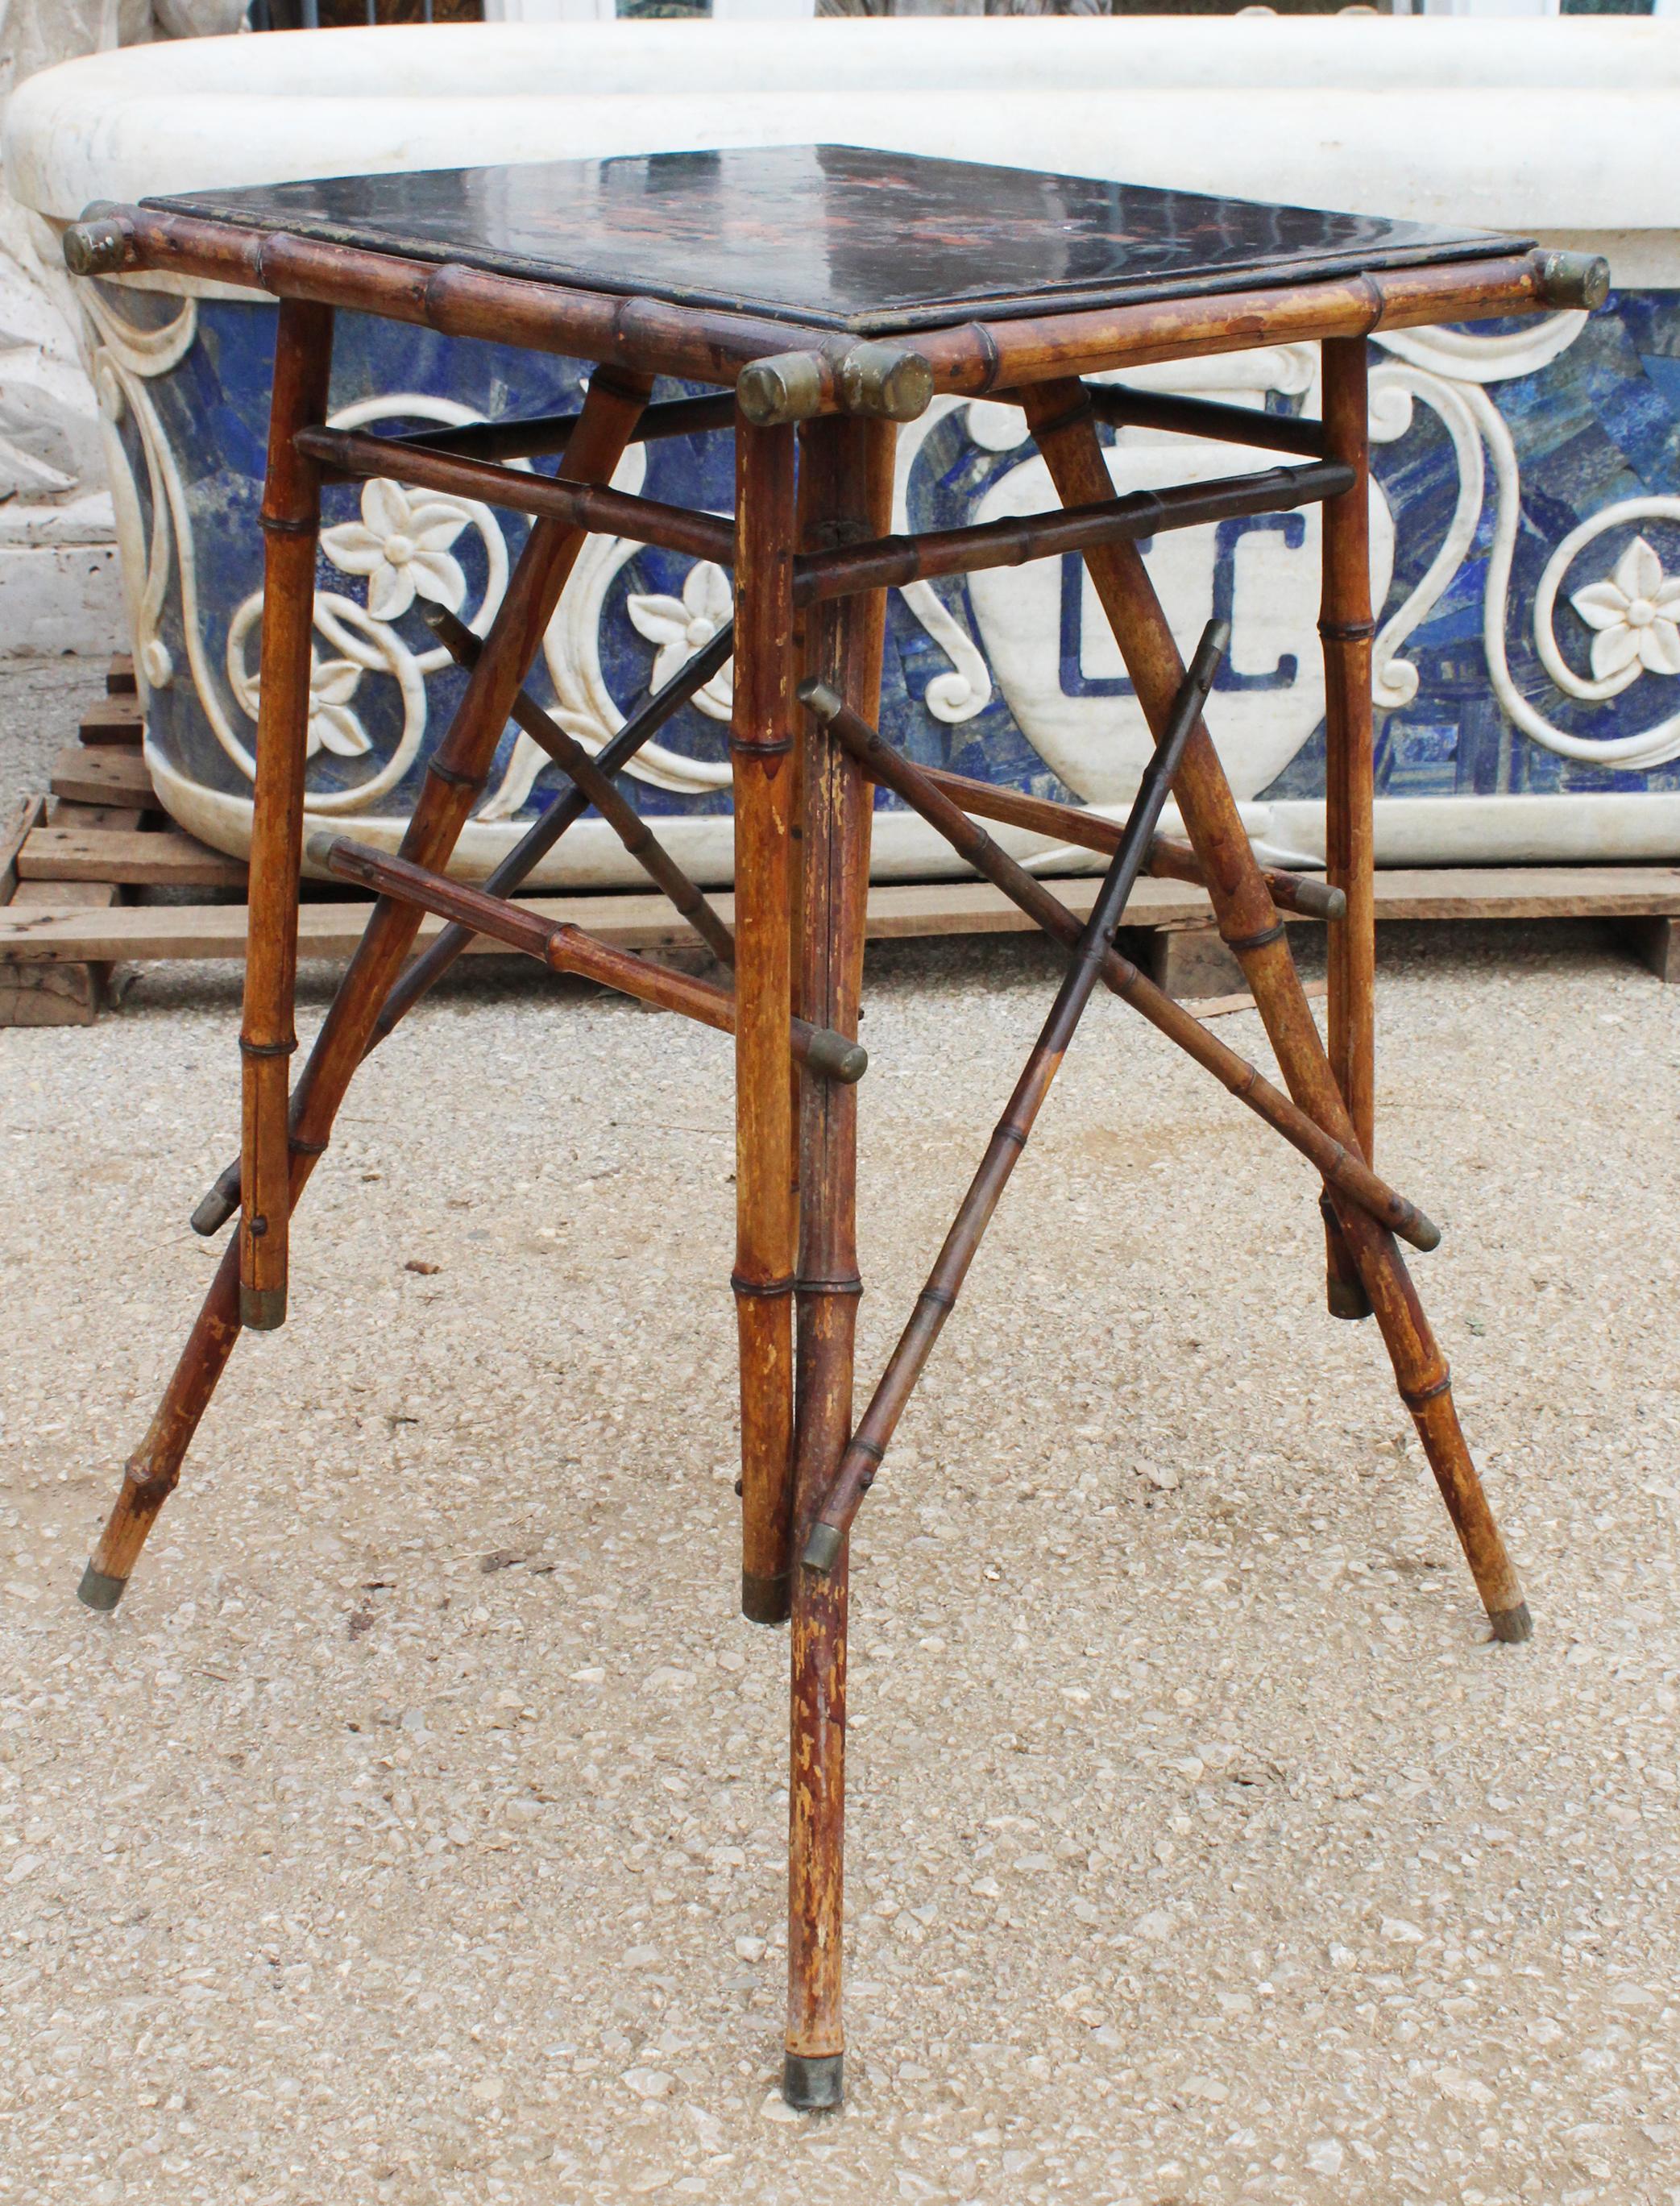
99	1591
262	1310
822	1548
765	1600
813	2081
1345	1298
1512	1625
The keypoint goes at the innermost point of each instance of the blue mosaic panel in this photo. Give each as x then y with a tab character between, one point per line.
1596	426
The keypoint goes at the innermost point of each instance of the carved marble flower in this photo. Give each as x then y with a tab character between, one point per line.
682	626
401	544
1637	613
332	725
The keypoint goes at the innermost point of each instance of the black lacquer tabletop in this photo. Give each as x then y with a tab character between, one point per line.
836	236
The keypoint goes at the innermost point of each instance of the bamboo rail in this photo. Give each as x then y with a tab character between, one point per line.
544	434
1332	1160
454	778
620	814
427	968
904	1367
1124	408
1062	423
971	358
581	506
569	949
1169	859
894	561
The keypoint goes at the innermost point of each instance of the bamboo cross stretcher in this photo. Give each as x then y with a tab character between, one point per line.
812	356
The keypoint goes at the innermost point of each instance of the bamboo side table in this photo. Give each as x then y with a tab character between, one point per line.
824	294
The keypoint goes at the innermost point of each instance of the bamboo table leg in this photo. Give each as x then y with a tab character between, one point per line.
846	491
1346	628
761	745
1061	419
457	773
291	517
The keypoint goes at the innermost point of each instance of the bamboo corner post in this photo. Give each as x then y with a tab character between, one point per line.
291	515
810	355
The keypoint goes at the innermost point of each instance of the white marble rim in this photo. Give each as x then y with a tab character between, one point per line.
1557	125
1627	828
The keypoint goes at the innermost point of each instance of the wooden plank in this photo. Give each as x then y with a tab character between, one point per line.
19	822
66	895
102	776
120	676
1527	892
117	722
167	859
1221	1007
121	817
895	911
1656	942
142	933
69	994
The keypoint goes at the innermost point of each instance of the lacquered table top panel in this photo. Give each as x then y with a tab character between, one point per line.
837	236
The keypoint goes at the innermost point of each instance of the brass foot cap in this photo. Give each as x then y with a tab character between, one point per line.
822	1548
1513	1625
262	1310
765	1600
812	2081
97	1591
1345	1298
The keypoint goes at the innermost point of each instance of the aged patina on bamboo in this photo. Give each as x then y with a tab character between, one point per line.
822	294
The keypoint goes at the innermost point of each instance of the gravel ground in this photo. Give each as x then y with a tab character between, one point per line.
41	700
413	1831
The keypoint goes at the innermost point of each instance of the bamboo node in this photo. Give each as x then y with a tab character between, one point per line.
766	1290
848	1284
1238	943
278	524
1347	631
454	776
1414	1398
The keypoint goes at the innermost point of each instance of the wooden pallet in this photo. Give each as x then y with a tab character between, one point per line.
76	868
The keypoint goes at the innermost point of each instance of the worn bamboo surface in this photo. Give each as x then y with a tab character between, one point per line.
291	515
633	832
894	561
571	949
868	1443
1066	434
845	494
765	795
972	358
576	503
457	772
1333	1160
1346	628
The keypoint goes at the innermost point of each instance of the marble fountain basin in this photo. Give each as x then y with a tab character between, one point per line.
1526	506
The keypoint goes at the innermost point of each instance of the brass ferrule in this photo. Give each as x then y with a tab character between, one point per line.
787	386
887	382
1577	280
100	244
